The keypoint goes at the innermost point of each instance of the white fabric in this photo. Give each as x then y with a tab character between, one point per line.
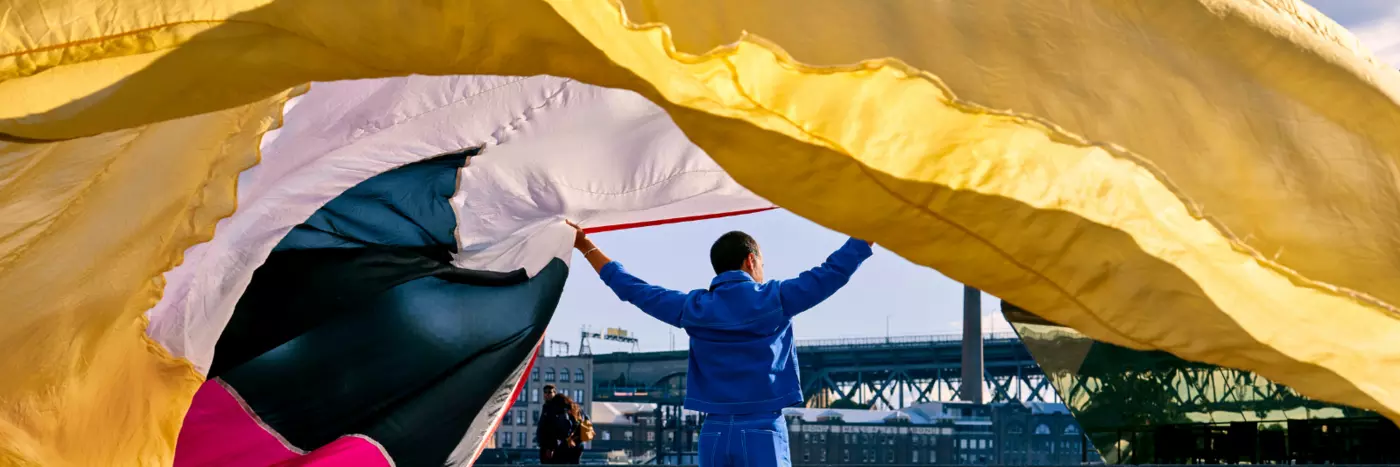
568	160
554	148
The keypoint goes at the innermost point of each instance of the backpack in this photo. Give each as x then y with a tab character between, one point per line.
585	431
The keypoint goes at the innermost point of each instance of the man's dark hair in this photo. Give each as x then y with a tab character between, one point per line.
730	251
548	387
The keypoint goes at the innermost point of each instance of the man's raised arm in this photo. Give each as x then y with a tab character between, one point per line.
659	302
805	291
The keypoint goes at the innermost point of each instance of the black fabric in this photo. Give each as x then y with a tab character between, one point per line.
409	367
404	207
357	323
297	290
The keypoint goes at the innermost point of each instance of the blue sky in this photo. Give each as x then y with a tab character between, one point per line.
914	300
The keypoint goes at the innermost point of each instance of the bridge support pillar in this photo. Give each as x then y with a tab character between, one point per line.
972	369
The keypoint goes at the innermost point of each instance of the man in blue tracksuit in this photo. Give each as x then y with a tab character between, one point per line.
743	367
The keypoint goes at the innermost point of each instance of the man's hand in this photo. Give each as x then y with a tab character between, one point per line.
595	257
581	241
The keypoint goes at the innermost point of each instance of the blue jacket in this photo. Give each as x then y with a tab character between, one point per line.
741	348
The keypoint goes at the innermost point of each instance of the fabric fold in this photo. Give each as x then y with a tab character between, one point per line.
1212	178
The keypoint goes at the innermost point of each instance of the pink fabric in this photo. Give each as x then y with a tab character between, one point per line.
348	451
220	432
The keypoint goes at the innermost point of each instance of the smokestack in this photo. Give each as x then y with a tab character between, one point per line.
972	346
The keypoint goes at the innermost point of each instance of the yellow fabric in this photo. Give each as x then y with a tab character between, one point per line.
1214	178
89	225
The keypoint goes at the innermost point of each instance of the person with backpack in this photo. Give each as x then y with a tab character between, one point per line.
560	431
742	365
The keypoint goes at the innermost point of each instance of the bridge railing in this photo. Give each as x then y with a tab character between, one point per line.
899	340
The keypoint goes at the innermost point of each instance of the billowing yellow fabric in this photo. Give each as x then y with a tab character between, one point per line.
89	225
1213	178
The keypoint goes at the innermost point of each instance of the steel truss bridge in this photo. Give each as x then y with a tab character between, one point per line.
1109	382
876	373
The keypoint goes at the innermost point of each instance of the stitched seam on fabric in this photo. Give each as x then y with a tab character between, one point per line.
201	238
150	29
1051	130
199	202
94	40
22	172
454	102
545	103
643	188
77	199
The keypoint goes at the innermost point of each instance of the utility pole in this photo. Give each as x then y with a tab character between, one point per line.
972	346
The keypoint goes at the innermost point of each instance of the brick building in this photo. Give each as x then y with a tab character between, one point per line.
570	375
1039	433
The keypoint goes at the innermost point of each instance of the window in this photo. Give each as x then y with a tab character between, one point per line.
510	416
1042	429
963	442
508	441
932	456
578	396
1071	430
991	444
627	435
520	417
806	455
889	456
549	375
578	375
520	397
520	439
496	438
536	414
535	374
913	456
606	435
651	436
534	395
845	455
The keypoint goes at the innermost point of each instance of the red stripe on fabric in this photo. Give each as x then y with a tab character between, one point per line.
514	395
520	385
674	220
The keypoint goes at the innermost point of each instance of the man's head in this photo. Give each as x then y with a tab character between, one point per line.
548	391
737	251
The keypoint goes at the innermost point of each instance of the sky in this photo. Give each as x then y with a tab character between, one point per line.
887	296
